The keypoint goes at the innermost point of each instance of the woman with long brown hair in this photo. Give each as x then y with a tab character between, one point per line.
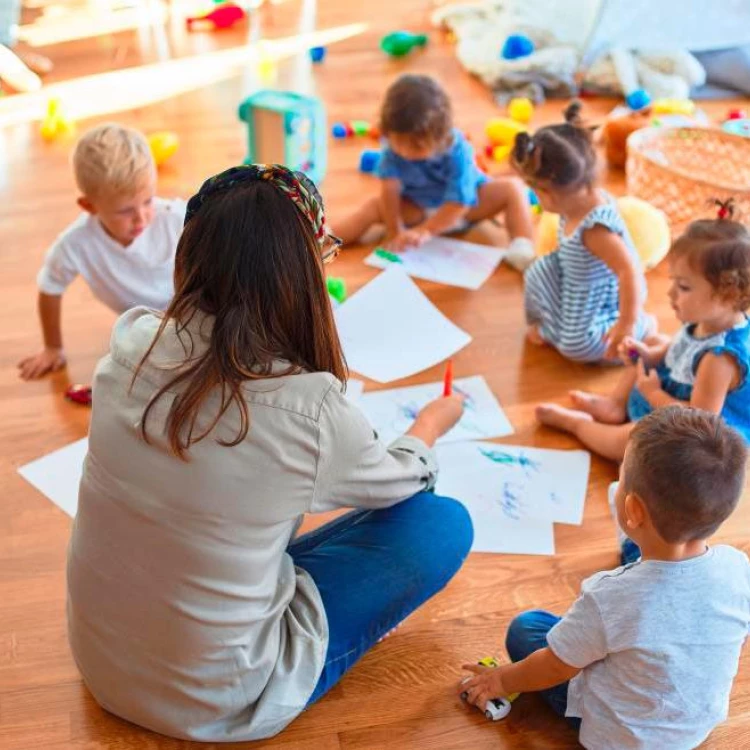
192	608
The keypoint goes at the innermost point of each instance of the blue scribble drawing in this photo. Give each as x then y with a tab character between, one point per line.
508	459
408	411
469	403
554	498
511	500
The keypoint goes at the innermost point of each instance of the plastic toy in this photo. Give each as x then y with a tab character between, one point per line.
223	17
521	109
737	127
673	107
536	207
318	54
387	255
736	114
638	99
369	161
351	128
163	145
79	394
336	288
515	46
496	708
55	124
647	225
502	132
401	43
286	128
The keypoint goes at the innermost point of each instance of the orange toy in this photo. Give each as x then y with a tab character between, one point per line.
616	132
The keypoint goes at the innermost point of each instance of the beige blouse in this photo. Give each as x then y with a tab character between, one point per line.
186	614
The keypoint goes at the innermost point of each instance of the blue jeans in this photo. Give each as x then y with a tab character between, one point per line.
374	567
528	633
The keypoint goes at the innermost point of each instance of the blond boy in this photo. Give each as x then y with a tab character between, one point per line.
123	244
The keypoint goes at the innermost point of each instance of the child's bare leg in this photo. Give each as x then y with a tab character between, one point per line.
609	409
351	228
506	195
608	440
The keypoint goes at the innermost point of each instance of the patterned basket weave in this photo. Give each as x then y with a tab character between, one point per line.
680	170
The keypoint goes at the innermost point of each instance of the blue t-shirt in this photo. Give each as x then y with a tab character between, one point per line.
450	176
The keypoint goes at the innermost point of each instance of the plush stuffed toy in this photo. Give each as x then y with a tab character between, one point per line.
647	225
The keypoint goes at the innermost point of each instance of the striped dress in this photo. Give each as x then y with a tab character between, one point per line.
574	296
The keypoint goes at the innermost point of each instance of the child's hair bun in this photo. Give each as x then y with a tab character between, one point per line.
523	148
572	114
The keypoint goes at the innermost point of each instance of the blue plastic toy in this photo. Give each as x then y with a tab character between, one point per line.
638	99
286	128
517	45
737	127
317	54
369	161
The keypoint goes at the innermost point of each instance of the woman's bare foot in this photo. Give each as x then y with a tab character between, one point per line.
534	335
604	409
561	418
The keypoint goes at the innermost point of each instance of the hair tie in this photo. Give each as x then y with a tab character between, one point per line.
726	208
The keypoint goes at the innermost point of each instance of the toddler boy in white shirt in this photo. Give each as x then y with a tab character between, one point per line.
123	244
646	656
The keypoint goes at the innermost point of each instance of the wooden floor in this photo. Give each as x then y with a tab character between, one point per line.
401	695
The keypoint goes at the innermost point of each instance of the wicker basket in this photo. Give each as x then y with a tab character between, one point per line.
680	170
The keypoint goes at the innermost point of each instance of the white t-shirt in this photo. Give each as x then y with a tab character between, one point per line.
659	645
120	277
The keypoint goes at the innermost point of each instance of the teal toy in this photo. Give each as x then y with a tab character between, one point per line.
737	127
286	128
401	43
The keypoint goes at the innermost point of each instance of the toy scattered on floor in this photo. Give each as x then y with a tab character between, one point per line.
673	107
521	109
336	288
517	46
736	114
286	128
223	17
737	127
647	225
381	252
163	145
318	54
400	43
616	131
55	123
351	128
495	708
502	132
638	99
79	394
369	161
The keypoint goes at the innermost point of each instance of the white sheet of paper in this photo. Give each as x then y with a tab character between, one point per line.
468	477
392	412
390	330
354	389
521	483
446	261
58	474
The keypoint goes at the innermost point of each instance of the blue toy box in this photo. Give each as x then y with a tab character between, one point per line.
286	128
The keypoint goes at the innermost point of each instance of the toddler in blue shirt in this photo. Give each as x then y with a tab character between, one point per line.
430	180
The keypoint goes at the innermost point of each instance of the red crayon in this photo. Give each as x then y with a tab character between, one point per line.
448	379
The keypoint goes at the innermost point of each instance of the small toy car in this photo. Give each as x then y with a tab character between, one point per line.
495	708
79	394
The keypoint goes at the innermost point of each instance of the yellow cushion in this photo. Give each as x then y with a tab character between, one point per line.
648	226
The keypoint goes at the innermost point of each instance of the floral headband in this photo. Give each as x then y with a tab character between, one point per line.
295	185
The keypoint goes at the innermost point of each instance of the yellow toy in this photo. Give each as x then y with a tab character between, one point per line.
648	226
163	145
502	133
673	107
55	124
521	109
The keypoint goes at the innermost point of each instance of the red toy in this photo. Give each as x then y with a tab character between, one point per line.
736	114
79	394
223	17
